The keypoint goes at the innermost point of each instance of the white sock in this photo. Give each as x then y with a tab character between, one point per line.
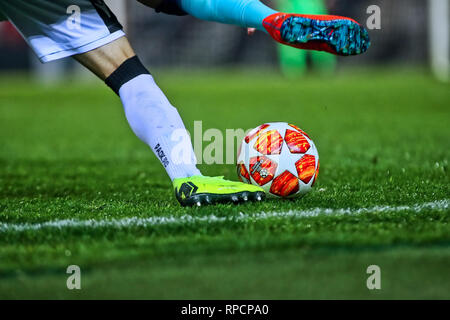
157	123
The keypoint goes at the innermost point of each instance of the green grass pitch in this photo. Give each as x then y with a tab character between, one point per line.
67	152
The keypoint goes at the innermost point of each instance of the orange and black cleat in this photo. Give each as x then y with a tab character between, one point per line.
334	34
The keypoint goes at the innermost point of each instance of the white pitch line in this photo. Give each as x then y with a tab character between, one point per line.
440	205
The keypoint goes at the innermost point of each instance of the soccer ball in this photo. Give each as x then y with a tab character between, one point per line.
279	157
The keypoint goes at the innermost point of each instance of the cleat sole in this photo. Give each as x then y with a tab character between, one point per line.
200	199
343	36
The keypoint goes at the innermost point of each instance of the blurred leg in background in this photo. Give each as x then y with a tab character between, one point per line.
293	62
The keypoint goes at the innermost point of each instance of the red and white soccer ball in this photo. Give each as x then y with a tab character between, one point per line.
279	157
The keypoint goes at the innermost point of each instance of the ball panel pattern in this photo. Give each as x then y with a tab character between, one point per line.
285	184
306	168
243	174
255	132
317	173
296	142
298	129
269	142
262	169
280	158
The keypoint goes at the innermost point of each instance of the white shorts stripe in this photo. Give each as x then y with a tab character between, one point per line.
82	49
56	29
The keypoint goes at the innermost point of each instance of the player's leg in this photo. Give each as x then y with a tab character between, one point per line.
158	124
100	45
333	34
150	114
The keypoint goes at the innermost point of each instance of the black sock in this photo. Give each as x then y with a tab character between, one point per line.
128	70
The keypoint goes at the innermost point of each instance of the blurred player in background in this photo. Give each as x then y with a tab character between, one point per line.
88	31
295	63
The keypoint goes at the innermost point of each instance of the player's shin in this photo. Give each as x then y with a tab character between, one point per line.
153	119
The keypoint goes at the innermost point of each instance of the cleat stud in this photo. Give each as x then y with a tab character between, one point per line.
198	204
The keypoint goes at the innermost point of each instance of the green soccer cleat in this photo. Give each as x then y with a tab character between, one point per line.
201	190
